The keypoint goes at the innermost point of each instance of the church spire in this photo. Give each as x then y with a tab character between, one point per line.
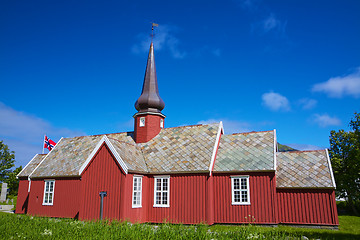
149	120
150	100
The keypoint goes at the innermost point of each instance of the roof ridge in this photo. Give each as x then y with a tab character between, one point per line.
245	133
194	125
300	151
97	135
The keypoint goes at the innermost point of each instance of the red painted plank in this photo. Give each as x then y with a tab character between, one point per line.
66	198
307	206
23	196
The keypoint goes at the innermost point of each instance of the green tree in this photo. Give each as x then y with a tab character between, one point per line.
7	159
345	159
13	182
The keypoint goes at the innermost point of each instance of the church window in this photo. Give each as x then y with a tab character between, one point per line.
137	189
240	190
161	123
142	122
49	192
161	191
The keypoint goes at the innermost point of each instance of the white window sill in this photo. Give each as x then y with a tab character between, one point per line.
161	205
136	206
47	204
243	203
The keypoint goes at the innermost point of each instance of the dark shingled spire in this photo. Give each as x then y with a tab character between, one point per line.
150	100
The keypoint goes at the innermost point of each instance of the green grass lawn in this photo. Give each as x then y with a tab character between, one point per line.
13	226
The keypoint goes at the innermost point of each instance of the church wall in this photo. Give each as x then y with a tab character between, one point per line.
262	199
66	198
22	199
307	206
103	174
187	200
137	214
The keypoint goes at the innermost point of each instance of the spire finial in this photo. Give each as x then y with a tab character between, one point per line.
152	30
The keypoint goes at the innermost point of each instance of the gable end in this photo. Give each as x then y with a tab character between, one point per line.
107	142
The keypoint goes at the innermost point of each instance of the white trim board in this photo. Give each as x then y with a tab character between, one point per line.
275	149
330	168
57	144
105	140
216	146
26	166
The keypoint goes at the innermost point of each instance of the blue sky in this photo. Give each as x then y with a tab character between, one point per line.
70	68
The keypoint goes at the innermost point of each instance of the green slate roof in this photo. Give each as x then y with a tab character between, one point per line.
179	149
29	168
189	149
303	169
70	154
252	151
186	149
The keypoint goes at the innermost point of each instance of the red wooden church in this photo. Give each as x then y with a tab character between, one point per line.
189	174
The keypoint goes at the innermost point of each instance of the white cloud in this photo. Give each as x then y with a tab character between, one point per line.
325	120
164	39
24	133
270	24
230	126
338	87
250	5
307	103
275	101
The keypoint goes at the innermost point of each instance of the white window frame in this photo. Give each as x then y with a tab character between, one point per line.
240	191
161	123
48	192
137	193
162	191
142	123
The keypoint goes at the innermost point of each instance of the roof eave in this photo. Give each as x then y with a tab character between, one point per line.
245	171
329	188
55	177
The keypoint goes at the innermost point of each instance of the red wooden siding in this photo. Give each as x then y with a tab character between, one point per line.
307	206
66	198
187	200
261	205
102	174
136	215
22	199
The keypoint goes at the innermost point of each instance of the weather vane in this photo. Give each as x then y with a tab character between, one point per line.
152	30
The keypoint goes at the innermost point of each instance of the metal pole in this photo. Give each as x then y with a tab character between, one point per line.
102	195
43	144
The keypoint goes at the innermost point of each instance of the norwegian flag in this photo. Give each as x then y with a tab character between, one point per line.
48	143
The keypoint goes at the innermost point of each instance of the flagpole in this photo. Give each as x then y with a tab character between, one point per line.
43	144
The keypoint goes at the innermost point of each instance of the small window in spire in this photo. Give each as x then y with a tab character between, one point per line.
161	123
142	122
